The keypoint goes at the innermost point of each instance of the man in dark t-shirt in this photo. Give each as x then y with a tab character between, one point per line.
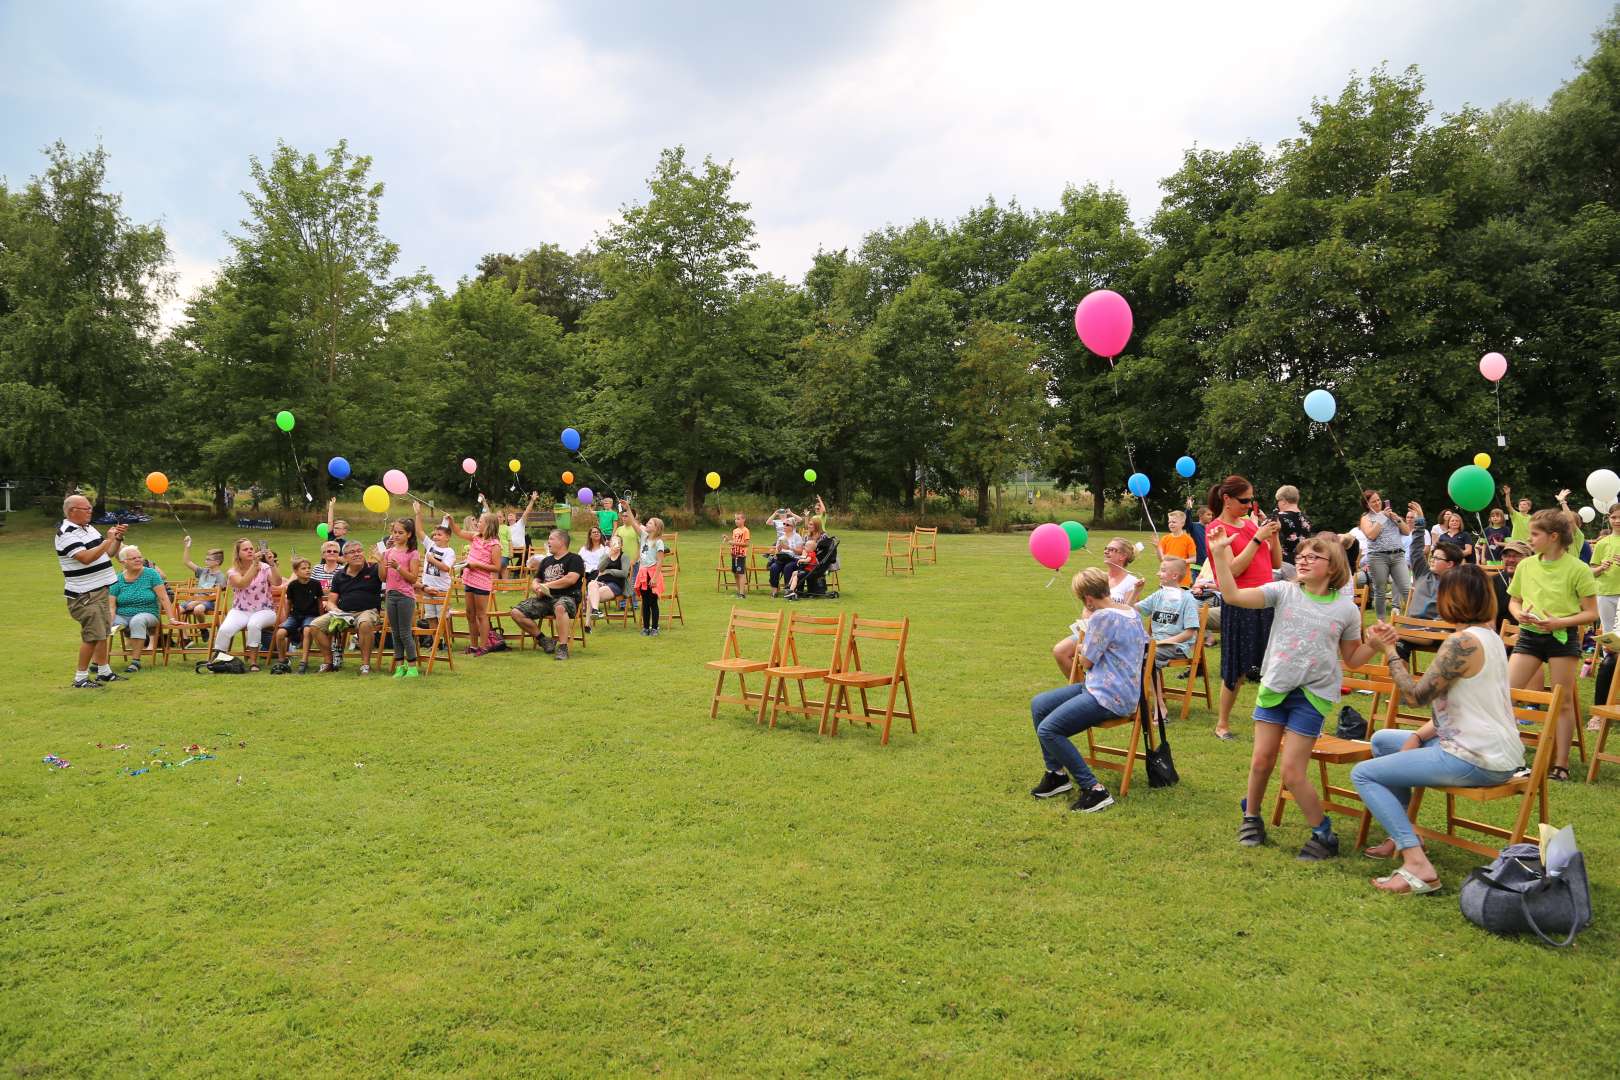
556	594
353	601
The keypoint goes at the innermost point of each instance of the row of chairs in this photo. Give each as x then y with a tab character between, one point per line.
779	659
904	552
759	568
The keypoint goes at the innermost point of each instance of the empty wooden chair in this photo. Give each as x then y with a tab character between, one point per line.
735	659
438	629
192	635
1101	755
669	605
1605	715
898	554
723	579
1538	708
800	669
925	544
852	676
1196	667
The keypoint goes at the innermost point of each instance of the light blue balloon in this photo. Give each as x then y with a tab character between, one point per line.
1320	406
1185	466
1139	485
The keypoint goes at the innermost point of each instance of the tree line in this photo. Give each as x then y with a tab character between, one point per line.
1377	254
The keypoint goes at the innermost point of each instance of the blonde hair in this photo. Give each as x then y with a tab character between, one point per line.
1092	582
655	528
1130	548
1177	564
489	526
1338	565
1174	515
1288	493
300	561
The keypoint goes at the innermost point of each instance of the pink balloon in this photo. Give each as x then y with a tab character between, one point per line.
1493	365
1103	321
395	482
469	466
1050	545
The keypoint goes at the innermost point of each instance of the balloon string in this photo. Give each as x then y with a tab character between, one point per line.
1349	467
166	502
299	466
1498	385
1148	514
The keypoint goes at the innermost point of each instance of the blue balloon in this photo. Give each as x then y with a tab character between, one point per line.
1320	406
1139	485
570	439
339	468
1185	466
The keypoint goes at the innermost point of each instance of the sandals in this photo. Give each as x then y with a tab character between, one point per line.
1317	849
1225	736
1415	886
1252	832
1558	772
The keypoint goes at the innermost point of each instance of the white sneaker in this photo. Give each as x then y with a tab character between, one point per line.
365	669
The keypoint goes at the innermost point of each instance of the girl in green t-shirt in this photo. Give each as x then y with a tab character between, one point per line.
1552	595
1606	568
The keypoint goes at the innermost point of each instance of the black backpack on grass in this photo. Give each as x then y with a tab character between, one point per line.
222	663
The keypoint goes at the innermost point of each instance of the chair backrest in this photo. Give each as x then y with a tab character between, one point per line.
1376	679
861	629
1510	634
1361	598
1430	626
512	591
745	621
897	543
1537	712
802	626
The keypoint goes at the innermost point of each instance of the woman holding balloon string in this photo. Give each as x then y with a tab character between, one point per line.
1256	553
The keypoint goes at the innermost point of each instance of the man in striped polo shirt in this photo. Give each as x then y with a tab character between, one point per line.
86	573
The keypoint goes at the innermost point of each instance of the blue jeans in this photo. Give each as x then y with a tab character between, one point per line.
1385	783
1060	714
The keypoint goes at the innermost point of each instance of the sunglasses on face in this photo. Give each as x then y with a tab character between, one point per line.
1246	500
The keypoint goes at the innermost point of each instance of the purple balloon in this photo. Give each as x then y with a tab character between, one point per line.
1050	545
586	495
1103	321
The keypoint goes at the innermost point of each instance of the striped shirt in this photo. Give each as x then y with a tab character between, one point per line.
80	578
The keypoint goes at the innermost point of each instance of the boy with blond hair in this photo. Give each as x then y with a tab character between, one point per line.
739	554
1177	544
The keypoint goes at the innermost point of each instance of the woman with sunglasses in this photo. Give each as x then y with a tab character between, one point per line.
1256	552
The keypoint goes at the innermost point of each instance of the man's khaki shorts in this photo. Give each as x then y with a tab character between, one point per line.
93	611
363	620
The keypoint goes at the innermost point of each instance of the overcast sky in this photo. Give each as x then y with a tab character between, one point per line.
498	126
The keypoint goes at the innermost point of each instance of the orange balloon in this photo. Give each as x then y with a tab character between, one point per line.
568	478
157	483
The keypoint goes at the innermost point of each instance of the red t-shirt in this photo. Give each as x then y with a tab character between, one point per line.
1259	570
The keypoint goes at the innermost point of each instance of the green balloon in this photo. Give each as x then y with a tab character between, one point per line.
322	531
1471	488
1077	534
284	420
810	476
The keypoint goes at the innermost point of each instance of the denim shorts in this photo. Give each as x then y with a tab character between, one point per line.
1295	712
1546	647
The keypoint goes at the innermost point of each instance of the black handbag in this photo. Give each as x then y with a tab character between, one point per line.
1351	725
1515	895
222	663
1161	767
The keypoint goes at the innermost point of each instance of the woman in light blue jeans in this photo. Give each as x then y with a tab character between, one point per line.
1473	740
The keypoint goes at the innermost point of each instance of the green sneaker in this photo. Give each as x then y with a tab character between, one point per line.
399	672
412	673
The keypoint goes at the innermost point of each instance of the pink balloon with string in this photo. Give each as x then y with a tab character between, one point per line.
1103	321
1049	544
394	481
1493	365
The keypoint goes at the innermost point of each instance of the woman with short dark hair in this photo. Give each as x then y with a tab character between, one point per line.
1473	740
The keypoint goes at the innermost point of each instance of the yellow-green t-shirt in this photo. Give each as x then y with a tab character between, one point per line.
1521	526
1608	582
1554	589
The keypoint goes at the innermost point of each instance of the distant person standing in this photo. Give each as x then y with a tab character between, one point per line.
1292	523
87	574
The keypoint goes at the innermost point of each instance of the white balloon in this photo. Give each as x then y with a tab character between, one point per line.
1603	484
1602	505
1587	514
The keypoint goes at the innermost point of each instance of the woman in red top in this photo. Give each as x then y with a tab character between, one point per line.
1256	552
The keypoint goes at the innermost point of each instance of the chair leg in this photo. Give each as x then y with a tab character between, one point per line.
1597	749
888	714
765	695
911	708
714	700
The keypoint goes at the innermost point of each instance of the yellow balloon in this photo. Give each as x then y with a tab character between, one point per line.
376	499
713	480
1482	460
515	465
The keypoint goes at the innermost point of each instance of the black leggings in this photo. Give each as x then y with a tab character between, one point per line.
649	609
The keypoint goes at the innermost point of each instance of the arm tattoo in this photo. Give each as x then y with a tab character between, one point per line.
1447	668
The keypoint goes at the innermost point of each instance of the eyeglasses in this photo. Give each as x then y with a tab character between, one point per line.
1244	499
1303	555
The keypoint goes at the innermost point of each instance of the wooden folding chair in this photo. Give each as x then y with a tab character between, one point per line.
439	629
154	647
733	661
669	605
1099	755
1197	666
898	556
1361	598
505	594
1425	637
850	675
759	565
672	549
1332	750
1510	637
925	542
576	625
1534	707
1605	715
192	635
722	568
792	667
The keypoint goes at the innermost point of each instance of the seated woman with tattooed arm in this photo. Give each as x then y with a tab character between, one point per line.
1473	740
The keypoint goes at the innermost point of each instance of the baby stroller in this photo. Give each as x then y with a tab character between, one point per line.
815	587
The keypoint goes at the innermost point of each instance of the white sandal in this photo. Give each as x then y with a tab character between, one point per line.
1415	886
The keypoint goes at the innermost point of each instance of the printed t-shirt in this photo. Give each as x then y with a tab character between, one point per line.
1292	527
1179	547
320	572
304	598
1258	572
256	595
360	591
432	576
552	568
1113	646
1552	589
210	579
650	552
1171	611
1121	593
138	596
739	540
1303	651
484	551
1608	582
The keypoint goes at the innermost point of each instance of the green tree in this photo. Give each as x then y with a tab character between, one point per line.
993	404
80	290
554	282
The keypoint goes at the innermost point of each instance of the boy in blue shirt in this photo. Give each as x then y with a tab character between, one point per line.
1173	615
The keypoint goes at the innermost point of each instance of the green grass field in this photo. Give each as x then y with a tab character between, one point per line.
535	868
